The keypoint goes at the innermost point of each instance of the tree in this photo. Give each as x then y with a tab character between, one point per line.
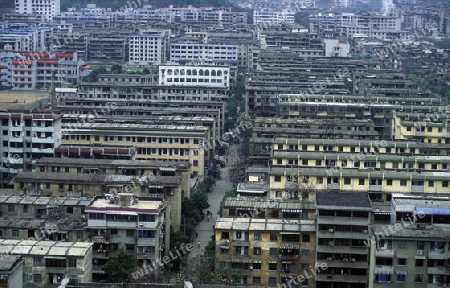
116	69
120	267
200	200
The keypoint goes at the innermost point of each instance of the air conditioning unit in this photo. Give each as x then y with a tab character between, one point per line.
329	259
353	260
250	267
141	224
419	252
227	241
364	231
331	230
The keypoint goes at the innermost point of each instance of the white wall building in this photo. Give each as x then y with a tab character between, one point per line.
49	8
205	53
194	76
150	47
268	16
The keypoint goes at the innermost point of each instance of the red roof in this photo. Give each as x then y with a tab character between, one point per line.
2	66
47	61
85	67
64	55
34	54
22	62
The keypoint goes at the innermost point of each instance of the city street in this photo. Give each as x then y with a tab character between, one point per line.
206	228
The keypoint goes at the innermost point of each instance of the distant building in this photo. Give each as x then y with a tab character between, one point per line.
268	16
150	47
49	8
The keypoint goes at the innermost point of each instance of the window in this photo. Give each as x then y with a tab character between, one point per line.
418	278
37	261
72	262
319	180
420	262
130	233
256	250
225	235
256	280
305	238
272	281
420	245
444	183
430	183
305	252
113	231
277	178
361	181
402	244
273	265
26	208
401	277
224	251
195	164
273	251
238	234
146	218
37	278
402	182
257	236
304	214
401	261
146	234
15	233
70	210
347	181
10	207
273	236
129	247
79	235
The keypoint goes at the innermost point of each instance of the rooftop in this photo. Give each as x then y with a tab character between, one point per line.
254	203
254	224
8	262
350	200
44	248
125	201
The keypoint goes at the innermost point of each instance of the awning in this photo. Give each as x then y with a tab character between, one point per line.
121	213
384	272
402	273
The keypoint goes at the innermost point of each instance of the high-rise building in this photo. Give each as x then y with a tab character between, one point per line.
49	8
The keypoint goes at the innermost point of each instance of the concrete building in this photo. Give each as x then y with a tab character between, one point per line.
266	243
11	271
48	8
150	47
138	225
343	221
200	76
49	262
411	249
268	16
25	138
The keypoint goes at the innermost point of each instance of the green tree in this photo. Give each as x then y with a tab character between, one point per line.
120	267
93	76
116	69
200	200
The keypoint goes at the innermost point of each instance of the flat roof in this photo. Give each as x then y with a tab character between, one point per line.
45	248
349	200
103	203
255	224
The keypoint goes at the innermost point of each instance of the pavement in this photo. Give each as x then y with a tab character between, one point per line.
205	229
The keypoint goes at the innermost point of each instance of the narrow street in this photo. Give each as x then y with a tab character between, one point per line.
206	228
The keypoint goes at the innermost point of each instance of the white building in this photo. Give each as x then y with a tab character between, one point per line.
268	16
49	8
149	47
194	76
203	53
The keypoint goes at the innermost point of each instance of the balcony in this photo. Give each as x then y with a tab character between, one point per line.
43	129
375	188
334	186
15	149
436	270
42	150
341	278
387	253
362	250
146	241
347	263
48	140
240	243
439	254
16	128
16	139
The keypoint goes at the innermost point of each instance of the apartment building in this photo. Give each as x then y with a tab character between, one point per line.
107	49
140	226
266	252
412	249
23	38
26	137
201	53
343	221
150	47
31	70
158	142
49	262
11	271
349	24
48	8
269	16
